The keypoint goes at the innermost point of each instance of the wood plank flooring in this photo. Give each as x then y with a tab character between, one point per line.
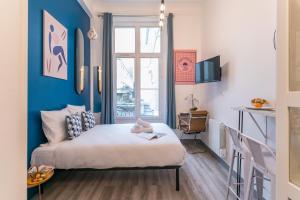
201	178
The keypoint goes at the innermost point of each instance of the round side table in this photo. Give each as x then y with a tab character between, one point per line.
31	184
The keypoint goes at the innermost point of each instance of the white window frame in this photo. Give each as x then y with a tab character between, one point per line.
137	23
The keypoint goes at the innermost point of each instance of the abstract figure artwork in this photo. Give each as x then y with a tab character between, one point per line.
185	61
55	48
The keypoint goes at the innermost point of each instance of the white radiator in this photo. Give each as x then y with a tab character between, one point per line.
216	137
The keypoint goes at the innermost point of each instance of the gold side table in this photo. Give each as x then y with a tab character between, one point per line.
31	184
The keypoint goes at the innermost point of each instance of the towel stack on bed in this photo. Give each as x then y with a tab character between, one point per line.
142	126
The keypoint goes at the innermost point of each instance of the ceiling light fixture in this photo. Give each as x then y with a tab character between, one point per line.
162	13
92	33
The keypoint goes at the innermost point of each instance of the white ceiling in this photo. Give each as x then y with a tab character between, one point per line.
141	6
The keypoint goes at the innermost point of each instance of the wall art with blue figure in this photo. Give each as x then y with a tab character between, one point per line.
55	48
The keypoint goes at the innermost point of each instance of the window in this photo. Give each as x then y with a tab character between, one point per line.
137	70
124	40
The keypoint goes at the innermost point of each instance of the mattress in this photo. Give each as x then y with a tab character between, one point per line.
113	146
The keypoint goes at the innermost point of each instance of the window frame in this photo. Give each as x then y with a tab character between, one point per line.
137	24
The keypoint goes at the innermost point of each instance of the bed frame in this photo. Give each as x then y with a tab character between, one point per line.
138	168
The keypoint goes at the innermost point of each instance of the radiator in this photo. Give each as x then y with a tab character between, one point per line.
216	138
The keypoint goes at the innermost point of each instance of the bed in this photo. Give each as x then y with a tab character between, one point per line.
114	147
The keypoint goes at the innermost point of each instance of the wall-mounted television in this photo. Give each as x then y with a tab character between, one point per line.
208	70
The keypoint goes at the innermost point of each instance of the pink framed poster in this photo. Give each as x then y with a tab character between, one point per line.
185	61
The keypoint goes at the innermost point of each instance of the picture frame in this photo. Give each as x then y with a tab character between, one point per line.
184	65
55	48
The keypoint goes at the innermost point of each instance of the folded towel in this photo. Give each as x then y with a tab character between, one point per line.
147	130
140	129
136	128
143	123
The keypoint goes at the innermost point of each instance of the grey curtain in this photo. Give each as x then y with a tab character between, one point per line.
171	104
107	112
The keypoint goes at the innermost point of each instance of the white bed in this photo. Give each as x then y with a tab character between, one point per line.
113	146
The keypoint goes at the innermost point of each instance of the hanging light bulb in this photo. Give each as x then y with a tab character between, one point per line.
161	23
162	16
162	7
162	13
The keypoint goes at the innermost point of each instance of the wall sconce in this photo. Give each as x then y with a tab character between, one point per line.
81	79
99	79
79	66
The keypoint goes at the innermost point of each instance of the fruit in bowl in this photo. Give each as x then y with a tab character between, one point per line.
38	174
258	102
38	177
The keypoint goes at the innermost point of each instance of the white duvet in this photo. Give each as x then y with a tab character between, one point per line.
112	146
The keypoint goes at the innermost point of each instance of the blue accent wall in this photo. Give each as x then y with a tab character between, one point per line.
46	93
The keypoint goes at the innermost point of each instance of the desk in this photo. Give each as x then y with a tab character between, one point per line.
194	121
263	112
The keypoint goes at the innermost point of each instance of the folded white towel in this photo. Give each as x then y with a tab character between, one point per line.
140	129
136	128
143	123
147	129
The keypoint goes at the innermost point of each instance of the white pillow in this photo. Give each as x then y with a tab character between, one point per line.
54	125
76	109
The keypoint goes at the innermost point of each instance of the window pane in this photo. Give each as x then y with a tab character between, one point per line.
150	40
125	87
294	118
124	40
294	57
149	73
149	102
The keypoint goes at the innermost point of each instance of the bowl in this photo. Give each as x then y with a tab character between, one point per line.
258	105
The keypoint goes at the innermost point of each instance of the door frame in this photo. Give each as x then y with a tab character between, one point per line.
285	99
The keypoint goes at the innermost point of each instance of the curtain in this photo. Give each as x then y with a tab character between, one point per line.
171	104
107	111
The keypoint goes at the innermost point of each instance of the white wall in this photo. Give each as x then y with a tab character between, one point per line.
188	34
13	86
242	33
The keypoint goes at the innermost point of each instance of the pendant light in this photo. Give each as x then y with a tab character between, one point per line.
92	33
162	13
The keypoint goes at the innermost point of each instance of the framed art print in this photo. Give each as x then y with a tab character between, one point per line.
185	61
55	48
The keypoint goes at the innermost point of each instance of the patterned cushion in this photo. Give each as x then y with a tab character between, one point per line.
74	126
88	120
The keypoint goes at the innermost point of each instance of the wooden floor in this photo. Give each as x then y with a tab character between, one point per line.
201	177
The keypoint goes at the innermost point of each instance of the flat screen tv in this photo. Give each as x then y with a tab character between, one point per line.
208	70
